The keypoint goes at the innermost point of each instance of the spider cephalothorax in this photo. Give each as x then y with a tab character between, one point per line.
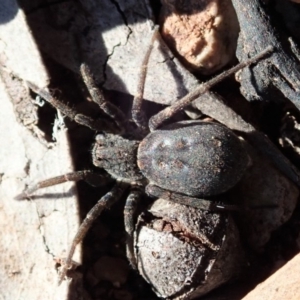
117	155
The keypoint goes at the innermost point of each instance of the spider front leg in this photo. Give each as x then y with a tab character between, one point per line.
70	112
97	96
170	111
138	115
86	175
105	202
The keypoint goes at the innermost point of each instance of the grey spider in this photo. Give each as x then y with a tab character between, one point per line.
183	162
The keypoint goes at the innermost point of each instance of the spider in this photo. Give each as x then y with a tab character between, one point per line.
182	162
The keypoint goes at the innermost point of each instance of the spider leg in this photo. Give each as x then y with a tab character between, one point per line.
86	175
168	112
97	95
72	113
216	108
129	213
294	47
138	115
203	204
105	202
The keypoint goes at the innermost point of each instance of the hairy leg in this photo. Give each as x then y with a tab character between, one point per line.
86	175
129	221
72	113
97	95
105	202
170	111
138	115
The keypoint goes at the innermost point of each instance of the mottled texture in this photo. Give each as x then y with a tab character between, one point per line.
185	252
257	225
117	156
194	158
277	77
203	33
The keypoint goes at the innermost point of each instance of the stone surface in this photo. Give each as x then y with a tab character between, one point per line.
203	33
36	231
283	284
33	232
183	252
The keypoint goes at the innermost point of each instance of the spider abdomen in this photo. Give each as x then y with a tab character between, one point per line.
194	158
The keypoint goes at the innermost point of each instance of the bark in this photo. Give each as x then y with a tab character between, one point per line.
279	75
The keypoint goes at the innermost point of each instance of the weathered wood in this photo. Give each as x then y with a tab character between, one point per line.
278	74
33	232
